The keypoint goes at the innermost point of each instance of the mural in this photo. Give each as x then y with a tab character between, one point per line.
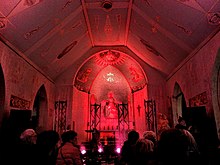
101	60
198	100
84	75
136	76
20	103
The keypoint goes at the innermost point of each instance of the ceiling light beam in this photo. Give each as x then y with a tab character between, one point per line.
87	22
128	21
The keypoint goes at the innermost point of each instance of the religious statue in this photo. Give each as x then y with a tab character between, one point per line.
110	107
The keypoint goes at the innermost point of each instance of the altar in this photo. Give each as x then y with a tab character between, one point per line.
110	128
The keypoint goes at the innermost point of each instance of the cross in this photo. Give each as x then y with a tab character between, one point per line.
139	109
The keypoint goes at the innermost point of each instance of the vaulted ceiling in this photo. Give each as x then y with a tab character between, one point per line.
54	34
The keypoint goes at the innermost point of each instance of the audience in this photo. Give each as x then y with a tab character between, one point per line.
175	146
69	152
145	147
47	147
129	148
193	149
26	148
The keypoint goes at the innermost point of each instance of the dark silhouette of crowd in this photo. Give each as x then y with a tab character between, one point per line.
174	146
47	147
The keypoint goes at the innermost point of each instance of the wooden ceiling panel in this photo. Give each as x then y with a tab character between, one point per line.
54	34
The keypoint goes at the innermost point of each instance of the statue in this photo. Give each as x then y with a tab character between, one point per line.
110	107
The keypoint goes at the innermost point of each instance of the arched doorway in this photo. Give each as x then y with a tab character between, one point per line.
39	113
178	104
216	92
2	95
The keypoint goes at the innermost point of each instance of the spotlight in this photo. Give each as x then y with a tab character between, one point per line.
118	150
100	150
83	152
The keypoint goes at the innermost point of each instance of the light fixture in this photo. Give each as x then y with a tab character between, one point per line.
118	150
107	5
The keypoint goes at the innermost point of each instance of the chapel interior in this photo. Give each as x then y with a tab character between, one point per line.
110	65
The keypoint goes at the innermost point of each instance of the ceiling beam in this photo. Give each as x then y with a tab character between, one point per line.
53	31
177	41
193	53
128	21
27	60
87	22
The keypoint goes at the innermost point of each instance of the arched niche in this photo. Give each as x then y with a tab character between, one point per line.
40	109
90	84
178	103
110	79
111	88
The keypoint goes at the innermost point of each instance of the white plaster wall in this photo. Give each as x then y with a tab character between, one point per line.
23	80
195	76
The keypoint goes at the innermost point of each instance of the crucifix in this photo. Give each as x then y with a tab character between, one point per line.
139	109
